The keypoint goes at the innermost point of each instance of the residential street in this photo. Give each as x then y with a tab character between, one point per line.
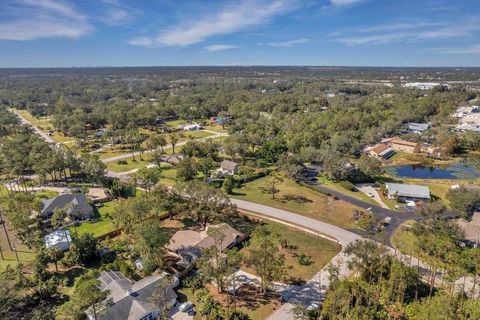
315	289
45	136
128	155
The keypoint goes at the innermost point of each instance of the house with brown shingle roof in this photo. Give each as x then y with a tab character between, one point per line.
189	244
398	144
380	151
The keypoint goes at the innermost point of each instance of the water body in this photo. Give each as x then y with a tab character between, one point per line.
458	170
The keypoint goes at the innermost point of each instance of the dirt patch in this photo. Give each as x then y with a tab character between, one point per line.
248	299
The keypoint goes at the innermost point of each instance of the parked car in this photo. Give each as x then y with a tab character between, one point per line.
370	194
186	307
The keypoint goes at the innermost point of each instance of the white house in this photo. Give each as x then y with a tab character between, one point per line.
60	239
192	127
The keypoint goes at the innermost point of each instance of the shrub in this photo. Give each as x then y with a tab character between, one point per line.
304	260
122	162
347	185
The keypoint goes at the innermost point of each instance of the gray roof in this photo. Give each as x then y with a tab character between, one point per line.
131	300
76	204
408	190
418	126
172	158
229	166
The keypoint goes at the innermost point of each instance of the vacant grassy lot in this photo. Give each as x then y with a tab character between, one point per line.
301	200
9	258
44	124
249	300
319	250
102	226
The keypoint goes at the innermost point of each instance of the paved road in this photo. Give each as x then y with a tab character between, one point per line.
37	130
129	155
397	217
369	190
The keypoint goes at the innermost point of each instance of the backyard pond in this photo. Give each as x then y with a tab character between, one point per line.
459	170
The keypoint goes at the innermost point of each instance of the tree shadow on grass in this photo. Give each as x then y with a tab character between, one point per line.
295	198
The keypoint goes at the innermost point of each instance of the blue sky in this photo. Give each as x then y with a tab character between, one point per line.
65	33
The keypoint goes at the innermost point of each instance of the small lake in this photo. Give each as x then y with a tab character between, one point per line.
458	170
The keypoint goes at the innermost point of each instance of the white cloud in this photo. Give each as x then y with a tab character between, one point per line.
220	47
43	19
141	41
344	2
408	32
472	49
116	13
288	44
230	19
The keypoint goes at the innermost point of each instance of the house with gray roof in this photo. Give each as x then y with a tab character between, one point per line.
76	206
131	300
408	192
417	127
228	167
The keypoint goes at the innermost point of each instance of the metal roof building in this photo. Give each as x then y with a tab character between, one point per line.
408	191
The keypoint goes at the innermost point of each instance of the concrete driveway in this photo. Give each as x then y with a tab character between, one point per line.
368	189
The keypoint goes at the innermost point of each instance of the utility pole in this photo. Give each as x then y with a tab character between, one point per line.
6	232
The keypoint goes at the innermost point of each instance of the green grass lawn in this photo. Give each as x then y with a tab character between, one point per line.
320	251
404	240
44	124
216	128
169	176
130	165
9	258
299	199
337	187
102	226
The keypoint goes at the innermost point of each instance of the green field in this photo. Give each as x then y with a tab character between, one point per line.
100	227
299	199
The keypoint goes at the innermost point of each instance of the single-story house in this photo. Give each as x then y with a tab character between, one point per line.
398	144
189	244
173	159
417	127
381	151
228	167
407	192
132	300
59	239
471	229
75	204
192	127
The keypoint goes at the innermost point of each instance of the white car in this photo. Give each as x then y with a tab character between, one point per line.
370	194
186	306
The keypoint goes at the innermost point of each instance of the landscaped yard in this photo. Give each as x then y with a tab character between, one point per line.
100	227
299	199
